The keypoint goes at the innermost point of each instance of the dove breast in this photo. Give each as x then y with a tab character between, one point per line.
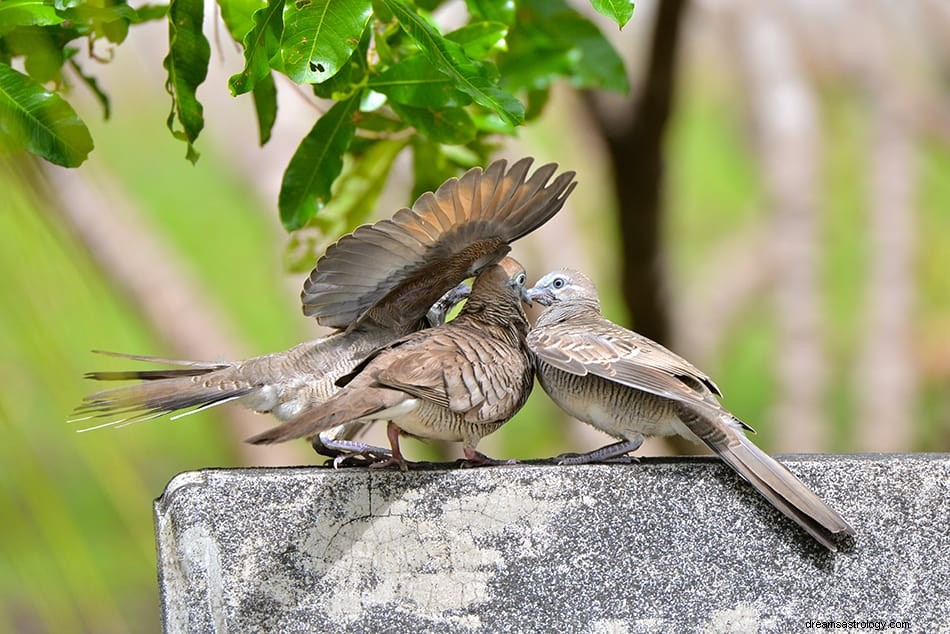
619	411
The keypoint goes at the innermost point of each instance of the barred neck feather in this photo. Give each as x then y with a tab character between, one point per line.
503	315
577	309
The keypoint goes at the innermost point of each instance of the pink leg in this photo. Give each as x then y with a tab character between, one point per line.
392	433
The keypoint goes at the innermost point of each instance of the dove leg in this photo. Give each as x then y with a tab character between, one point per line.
347	452
392	433
607	452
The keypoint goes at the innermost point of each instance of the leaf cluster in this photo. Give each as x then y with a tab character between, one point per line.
390	77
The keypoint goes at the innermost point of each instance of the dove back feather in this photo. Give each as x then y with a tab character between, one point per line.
388	274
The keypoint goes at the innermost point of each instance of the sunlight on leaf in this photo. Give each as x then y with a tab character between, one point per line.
620	11
14	13
43	123
449	57
320	35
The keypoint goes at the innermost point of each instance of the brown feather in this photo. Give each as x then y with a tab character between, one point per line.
408	262
459	381
663	392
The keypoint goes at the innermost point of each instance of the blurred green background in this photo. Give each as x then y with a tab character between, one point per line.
77	547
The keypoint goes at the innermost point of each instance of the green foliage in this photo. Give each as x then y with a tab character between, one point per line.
39	121
394	75
620	11
316	164
34	117
187	66
320	35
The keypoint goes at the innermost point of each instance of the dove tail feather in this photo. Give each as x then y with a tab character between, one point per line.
773	480
161	392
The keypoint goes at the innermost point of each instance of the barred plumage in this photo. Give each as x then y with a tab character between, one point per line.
631	387
373	285
460	381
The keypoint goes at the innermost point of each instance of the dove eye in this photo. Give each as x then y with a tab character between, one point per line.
558	282
521	279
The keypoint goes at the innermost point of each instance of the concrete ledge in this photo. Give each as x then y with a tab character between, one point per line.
664	545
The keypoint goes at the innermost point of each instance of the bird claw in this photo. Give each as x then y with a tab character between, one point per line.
402	463
587	458
477	459
345	460
618	452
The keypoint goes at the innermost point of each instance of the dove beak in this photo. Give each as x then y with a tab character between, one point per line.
526	296
541	295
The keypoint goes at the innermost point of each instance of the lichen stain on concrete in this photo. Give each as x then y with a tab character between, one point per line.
742	619
608	626
399	558
198	552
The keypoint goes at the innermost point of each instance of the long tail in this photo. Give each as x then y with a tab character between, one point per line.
769	477
161	392
348	405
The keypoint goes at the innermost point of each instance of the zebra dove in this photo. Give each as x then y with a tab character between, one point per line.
373	286
630	387
459	381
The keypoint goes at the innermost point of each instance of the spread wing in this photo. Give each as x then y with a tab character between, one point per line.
476	376
609	351
390	273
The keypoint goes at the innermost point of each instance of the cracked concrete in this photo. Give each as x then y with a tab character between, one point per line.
664	545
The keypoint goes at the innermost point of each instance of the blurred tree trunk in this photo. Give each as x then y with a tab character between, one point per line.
886	378
635	147
635	144
784	112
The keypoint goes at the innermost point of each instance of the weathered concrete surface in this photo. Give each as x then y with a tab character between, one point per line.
660	546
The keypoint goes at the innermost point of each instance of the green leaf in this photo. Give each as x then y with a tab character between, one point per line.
479	38
111	21
552	39
356	191
14	13
238	16
449	57
415	82
378	122
493	10
620	11
44	53
316	164
350	78
40	122
450	125
537	99
320	35
261	43
187	66
265	104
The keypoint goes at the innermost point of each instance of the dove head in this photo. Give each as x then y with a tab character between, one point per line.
565	286
507	274
497	293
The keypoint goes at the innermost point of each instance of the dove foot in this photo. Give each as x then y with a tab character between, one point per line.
478	459
612	453
393	461
348	453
